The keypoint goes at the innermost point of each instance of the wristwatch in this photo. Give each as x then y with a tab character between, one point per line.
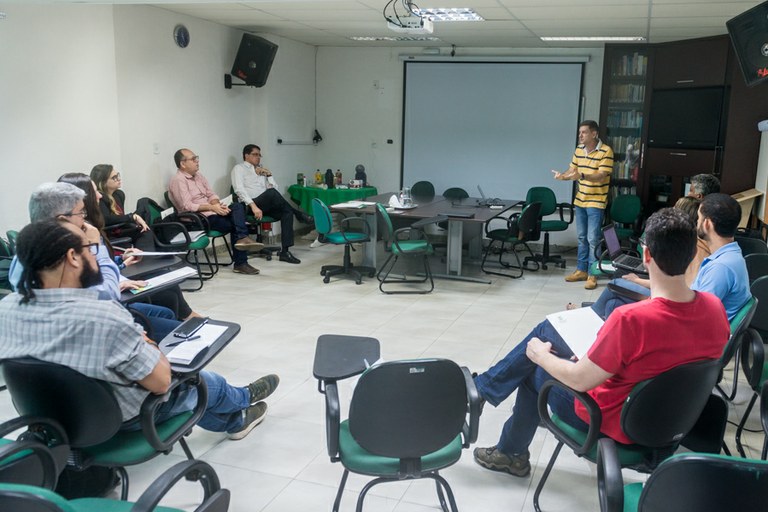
582	175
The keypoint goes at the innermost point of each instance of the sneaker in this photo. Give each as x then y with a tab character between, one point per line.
578	275
245	269
491	458
591	283
287	257
252	416
248	244
262	388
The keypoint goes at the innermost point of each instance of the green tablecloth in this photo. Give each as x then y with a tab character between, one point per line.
303	195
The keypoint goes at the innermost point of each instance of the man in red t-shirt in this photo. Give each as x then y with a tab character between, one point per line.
637	342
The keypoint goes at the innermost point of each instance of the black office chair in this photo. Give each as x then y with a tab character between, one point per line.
750	245
549	206
521	228
739	324
423	191
20	459
687	481
657	415
90	415
757	266
407	420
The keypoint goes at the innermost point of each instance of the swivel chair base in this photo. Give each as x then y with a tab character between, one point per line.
346	269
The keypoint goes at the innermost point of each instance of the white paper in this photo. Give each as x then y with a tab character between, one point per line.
193	236
166	212
578	327
227	200
352	204
185	352
179	273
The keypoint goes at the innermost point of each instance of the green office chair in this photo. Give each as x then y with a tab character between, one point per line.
20	461
625	212
521	228
656	415
739	324
750	246
407	420
408	242
172	236
354	230
12	235
32	498
549	206
212	234
687	481
90	415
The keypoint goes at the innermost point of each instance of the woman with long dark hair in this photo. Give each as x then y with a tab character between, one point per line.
112	203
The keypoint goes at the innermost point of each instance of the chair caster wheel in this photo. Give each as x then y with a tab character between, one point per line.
562	265
327	279
268	258
322	272
371	274
543	267
358	281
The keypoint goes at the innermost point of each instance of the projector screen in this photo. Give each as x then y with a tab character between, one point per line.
501	125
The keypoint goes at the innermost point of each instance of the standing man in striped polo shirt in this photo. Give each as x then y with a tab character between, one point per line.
591	167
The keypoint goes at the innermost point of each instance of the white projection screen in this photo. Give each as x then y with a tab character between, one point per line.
501	125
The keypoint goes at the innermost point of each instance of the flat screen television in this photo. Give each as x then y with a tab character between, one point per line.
685	118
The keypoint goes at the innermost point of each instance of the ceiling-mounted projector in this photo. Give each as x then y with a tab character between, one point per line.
411	25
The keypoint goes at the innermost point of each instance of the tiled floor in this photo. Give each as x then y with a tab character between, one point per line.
282	465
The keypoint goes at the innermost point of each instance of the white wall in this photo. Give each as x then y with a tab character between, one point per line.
57	98
83	85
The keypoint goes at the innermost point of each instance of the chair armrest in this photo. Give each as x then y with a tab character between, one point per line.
764	412
561	207
472	427
44	429
195	470
50	471
332	419
347	222
501	216
630	294
752	357
164	232
610	484
193	221
595	417
153	402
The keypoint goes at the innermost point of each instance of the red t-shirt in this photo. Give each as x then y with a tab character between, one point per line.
644	339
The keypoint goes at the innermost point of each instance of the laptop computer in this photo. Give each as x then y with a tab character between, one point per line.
618	258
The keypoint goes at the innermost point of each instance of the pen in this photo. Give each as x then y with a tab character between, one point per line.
191	338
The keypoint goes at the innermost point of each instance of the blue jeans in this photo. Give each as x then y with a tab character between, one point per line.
517	372
234	224
608	300
223	413
588	224
162	319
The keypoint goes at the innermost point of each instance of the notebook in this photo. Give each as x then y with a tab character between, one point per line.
618	258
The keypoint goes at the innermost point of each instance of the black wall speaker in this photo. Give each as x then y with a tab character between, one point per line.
749	34
254	60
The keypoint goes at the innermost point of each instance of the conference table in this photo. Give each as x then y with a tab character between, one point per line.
463	214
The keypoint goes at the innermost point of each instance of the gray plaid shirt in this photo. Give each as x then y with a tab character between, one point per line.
71	327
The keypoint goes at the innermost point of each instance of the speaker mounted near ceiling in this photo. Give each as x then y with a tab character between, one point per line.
749	35
253	62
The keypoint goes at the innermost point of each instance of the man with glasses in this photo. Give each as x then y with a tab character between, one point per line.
256	188
64	201
190	192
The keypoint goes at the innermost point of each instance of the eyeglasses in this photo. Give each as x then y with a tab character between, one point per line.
82	214
255	154
94	248
116	177
193	158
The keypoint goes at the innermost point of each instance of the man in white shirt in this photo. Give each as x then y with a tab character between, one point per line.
256	188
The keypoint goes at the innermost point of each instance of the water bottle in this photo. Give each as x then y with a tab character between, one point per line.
329	178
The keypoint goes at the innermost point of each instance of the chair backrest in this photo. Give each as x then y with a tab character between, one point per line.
386	223
741	321
323	218
545	196
751	245
149	210
625	209
455	193
12	235
757	265
660	411
529	223
706	483
423	190
759	291
407	409
85	407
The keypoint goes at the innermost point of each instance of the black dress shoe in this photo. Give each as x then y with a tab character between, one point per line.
287	257
306	218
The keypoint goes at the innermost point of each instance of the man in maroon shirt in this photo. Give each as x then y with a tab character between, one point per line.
190	192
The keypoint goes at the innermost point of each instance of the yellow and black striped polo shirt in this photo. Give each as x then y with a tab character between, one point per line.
593	194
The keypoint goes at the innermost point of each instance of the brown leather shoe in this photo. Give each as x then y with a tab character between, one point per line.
245	269
248	244
578	275
591	283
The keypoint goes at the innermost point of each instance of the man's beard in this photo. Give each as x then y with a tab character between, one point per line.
90	276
